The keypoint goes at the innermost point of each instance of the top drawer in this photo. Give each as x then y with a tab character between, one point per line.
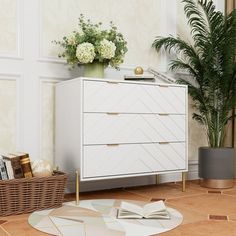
102	96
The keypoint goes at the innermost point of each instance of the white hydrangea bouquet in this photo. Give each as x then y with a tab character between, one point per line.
92	44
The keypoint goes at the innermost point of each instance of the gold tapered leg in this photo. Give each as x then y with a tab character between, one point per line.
157	179
77	187
183	181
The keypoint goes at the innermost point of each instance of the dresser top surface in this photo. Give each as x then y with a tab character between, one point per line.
121	81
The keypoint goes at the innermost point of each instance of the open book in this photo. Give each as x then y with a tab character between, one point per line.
154	210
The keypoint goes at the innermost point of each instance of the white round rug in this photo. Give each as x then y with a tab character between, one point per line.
99	218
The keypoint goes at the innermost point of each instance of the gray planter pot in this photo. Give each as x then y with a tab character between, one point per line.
216	166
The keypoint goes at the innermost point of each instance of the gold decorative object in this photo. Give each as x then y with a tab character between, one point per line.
138	70
26	166
217	183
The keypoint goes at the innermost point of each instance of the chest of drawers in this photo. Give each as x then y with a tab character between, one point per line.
112	129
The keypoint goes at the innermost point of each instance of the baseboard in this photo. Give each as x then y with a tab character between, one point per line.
133	181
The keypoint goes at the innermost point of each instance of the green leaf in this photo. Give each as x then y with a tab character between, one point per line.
211	63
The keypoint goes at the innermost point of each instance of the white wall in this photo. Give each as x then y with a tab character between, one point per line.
131	17
29	67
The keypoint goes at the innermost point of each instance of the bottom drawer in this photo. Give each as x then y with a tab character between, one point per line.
132	159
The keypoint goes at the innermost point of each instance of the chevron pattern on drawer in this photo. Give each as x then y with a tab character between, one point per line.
133	98
130	159
132	129
108	128
100	128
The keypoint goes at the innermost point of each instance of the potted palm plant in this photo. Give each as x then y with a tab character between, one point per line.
210	61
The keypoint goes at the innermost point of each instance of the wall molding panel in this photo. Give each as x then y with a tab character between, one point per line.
18	79
18	54
46	114
41	57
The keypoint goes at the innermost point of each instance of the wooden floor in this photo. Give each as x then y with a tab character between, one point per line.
206	212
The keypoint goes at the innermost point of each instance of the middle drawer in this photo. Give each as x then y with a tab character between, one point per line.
109	128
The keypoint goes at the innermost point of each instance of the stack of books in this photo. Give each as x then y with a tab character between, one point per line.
15	166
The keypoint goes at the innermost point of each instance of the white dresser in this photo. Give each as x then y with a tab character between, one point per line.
114	128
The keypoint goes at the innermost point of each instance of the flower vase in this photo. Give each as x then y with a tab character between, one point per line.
95	70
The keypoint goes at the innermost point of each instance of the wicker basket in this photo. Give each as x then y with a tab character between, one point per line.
26	195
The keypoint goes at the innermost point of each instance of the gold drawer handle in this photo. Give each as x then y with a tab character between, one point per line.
163	85
112	113
112	145
163	142
111	82
163	114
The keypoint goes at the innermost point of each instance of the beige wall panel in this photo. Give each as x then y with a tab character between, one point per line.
47	120
8	115
196	135
8	26
138	20
234	144
229	5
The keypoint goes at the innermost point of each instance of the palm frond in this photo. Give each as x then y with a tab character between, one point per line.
198	118
211	63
